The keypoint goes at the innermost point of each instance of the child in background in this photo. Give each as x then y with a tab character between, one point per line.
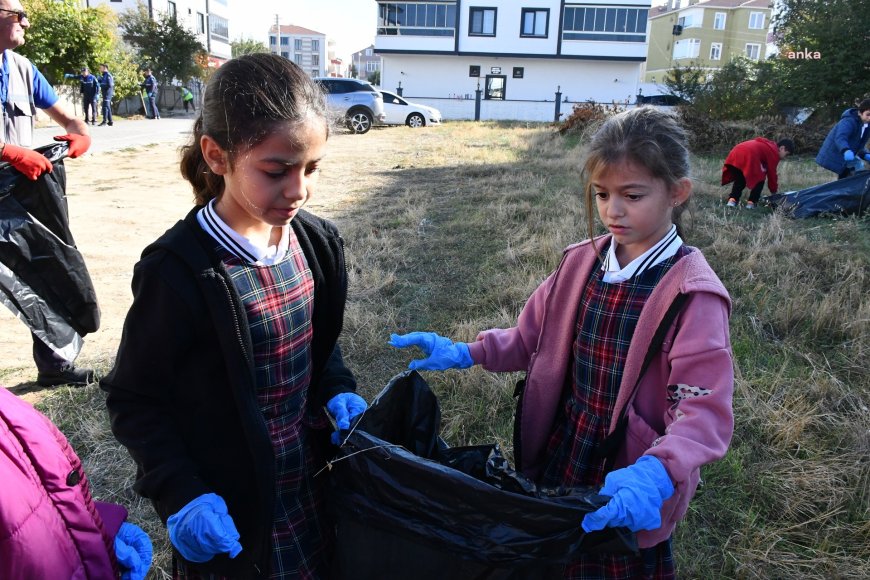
751	162
229	351
581	338
50	526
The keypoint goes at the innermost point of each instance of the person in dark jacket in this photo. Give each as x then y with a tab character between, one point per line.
844	147
107	88
150	86
750	163
230	349
89	87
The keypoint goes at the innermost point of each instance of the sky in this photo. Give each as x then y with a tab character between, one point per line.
351	23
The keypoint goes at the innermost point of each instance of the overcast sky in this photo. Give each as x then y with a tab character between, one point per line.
351	23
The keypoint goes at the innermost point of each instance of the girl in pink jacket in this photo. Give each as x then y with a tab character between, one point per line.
626	349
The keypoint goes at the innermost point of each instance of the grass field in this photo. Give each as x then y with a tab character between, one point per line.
473	216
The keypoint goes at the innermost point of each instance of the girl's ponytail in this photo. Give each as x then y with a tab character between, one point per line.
206	184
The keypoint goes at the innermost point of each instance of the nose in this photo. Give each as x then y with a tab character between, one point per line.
296	186
615	206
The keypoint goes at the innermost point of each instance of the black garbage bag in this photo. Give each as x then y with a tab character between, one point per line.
438	512
45	281
847	196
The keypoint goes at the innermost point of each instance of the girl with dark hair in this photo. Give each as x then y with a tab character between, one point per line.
626	349
229	351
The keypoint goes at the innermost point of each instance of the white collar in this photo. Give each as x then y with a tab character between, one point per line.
662	250
238	245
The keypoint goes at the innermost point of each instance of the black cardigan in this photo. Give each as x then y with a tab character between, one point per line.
181	396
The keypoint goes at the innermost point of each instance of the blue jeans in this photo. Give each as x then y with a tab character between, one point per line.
152	105
107	110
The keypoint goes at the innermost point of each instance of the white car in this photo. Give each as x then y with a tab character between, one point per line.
402	112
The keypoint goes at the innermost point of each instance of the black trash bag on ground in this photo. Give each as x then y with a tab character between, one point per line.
46	282
441	512
847	196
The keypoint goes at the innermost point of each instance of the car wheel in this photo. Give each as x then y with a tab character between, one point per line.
359	121
415	120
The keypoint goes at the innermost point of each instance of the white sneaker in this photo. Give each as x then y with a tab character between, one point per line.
750	205
731	202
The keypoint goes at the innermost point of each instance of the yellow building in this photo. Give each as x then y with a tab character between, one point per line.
706	34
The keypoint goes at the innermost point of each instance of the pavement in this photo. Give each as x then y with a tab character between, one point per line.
127	133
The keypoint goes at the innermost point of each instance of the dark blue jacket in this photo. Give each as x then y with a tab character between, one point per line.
107	85
150	85
846	135
89	86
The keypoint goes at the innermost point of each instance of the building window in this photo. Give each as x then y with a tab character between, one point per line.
200	23
297	44
368	52
606	24
534	22
219	28
719	21
315	73
371	66
272	41
689	21
495	85
688	48
756	20
315	59
315	45
285	55
481	21
171	10
417	18
285	41
297	58
753	51
716	51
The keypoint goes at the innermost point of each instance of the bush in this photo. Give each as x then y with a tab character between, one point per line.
586	115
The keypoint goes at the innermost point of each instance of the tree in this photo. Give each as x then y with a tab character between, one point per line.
247	46
836	31
163	44
686	82
374	78
64	37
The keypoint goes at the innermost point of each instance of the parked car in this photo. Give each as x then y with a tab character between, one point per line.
401	111
357	102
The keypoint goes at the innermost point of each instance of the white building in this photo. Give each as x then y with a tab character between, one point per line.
514	50
305	47
208	19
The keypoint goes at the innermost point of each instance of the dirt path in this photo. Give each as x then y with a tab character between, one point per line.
121	201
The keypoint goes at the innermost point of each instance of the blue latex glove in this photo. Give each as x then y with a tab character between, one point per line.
203	528
848	155
344	407
133	551
69	76
637	493
866	156
441	353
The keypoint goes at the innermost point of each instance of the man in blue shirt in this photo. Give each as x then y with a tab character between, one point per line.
107	86
150	86
23	89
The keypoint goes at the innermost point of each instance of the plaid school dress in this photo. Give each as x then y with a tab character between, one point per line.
606	320
278	300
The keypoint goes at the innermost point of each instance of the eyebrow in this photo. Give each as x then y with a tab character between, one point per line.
290	162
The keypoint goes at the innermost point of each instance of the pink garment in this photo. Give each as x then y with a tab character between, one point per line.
49	525
691	429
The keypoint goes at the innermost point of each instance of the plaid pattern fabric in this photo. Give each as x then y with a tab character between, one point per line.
278	300
608	314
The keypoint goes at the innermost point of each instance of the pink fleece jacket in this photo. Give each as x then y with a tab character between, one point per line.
685	430
50	527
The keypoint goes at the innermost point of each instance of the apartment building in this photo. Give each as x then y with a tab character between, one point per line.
305	47
365	62
706	34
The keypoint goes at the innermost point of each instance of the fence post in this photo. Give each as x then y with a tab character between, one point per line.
558	114
477	94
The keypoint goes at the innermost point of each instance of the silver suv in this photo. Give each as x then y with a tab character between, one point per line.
357	102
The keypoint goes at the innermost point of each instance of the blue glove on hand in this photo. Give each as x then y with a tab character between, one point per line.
133	551
344	407
636	496
203	528
848	155
441	353
866	156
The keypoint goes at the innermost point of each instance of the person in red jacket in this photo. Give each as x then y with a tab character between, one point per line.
749	163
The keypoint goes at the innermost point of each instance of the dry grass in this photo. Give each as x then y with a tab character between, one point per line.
454	231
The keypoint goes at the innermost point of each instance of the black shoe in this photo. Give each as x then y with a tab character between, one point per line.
110	123
103	123
68	376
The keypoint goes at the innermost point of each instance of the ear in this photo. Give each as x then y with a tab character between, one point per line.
214	156
681	191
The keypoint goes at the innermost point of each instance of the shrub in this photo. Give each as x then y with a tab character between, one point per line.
586	115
